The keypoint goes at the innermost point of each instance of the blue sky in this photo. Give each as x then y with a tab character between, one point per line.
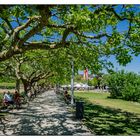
134	65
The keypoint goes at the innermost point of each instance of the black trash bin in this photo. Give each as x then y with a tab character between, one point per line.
79	110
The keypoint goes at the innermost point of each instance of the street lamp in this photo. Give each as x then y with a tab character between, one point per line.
72	81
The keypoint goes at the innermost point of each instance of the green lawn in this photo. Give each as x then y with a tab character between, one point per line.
105	116
7	85
102	99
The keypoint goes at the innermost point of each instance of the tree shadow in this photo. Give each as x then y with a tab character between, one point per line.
31	123
2	123
108	121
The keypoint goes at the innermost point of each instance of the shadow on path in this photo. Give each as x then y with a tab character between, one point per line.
46	115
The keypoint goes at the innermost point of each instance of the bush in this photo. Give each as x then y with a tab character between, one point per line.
124	85
93	82
131	89
115	82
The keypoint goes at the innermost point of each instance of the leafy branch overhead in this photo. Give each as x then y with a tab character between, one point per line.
84	27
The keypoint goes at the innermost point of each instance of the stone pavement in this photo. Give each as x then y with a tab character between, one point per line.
46	115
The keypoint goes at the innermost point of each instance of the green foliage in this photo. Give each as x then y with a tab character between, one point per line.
79	78
124	85
93	82
86	26
85	33
104	80
6	79
115	82
131	89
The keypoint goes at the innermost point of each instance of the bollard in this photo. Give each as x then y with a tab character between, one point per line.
79	110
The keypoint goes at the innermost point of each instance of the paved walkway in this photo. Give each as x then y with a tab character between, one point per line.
46	115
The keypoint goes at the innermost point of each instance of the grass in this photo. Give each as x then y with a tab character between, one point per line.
102	99
7	85
105	116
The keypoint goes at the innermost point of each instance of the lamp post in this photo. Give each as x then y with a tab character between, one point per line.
72	82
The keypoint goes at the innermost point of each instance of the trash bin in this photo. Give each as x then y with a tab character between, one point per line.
79	110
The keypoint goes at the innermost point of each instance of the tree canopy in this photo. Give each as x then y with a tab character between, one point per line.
41	40
92	29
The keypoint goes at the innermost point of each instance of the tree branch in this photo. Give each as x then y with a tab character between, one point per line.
4	29
117	15
8	23
44	45
17	20
41	76
66	33
92	37
31	46
22	27
43	21
57	26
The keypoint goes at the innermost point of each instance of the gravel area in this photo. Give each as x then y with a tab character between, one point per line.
47	114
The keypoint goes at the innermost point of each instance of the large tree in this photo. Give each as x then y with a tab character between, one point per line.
30	68
90	29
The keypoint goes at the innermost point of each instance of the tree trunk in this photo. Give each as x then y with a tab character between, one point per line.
26	85
18	85
25	88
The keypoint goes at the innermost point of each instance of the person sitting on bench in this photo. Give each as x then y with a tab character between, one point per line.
67	97
17	97
7	99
